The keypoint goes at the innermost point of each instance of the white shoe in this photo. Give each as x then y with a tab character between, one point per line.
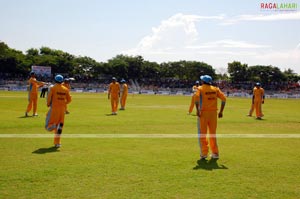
57	145
35	114
214	156
203	157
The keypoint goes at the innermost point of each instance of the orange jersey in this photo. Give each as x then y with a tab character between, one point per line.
34	85
58	96
208	97
114	89
195	94
258	94
124	89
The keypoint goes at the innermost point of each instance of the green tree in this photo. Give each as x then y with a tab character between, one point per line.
119	67
85	66
11	61
291	75
238	72
266	74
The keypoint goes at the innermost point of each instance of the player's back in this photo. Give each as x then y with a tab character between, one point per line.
209	97
59	95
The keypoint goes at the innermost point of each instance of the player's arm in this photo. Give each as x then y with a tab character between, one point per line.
220	115
69	98
223	102
198	109
109	90
39	83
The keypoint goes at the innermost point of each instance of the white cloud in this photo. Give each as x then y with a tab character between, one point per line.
261	17
283	56
297	47
172	34
227	43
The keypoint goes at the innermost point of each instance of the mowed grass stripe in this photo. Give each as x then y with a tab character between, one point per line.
149	136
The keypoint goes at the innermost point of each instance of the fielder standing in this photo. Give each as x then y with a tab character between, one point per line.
33	94
207	116
124	92
258	99
113	95
58	98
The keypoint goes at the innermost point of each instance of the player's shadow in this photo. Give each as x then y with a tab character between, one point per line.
46	150
261	119
110	114
29	116
209	165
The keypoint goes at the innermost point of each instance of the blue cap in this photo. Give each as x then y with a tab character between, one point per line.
257	84
59	78
197	82
32	73
206	79
123	81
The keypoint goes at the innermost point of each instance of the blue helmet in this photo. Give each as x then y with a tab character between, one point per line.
206	78
59	78
123	81
257	84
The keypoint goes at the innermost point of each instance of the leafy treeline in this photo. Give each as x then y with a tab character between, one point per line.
14	62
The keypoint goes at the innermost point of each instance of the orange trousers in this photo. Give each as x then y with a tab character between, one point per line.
207	121
114	100
258	110
123	101
32	102
54	118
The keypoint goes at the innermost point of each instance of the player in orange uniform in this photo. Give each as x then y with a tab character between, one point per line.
57	100
113	95
194	97
207	116
33	94
124	92
258	99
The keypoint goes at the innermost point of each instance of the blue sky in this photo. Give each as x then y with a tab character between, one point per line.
215	32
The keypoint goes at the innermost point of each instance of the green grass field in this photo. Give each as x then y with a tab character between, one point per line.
145	167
